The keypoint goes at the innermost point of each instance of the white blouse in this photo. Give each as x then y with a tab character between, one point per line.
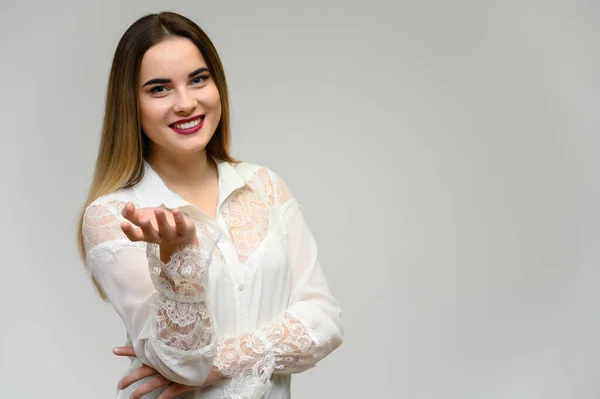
252	300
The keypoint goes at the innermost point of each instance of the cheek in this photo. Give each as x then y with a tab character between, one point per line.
151	116
212	100
152	110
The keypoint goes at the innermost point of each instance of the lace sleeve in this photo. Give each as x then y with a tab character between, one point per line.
250	359
181	325
163	305
308	331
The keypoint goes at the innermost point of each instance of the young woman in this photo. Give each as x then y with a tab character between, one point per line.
207	260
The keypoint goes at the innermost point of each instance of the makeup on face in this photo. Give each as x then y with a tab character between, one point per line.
189	125
179	102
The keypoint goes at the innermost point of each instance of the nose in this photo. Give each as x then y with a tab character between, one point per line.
185	103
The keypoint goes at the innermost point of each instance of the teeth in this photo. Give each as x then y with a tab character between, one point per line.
188	125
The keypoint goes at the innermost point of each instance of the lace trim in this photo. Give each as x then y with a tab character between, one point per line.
248	362
183	330
182	322
310	341
251	215
185	276
249	359
102	223
247	218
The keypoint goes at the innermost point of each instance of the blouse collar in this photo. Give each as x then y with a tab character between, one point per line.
151	191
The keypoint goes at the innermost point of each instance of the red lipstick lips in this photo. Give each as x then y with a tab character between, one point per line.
188	126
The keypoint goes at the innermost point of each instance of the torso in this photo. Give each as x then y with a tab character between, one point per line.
250	277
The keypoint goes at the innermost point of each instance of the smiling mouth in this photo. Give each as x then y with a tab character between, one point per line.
190	124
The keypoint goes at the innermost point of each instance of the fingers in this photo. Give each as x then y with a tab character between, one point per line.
131	232
151	385
174	390
133	214
165	228
124	351
180	225
136	375
150	233
155	224
128	228
128	211
142	218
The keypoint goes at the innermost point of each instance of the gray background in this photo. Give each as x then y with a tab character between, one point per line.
444	152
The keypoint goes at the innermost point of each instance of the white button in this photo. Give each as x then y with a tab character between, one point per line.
240	287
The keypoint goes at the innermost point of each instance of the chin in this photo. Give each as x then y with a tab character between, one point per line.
174	143
196	144
189	149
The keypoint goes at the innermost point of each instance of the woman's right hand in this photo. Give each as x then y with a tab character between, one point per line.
171	229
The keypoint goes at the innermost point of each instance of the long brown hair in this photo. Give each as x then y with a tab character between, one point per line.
124	145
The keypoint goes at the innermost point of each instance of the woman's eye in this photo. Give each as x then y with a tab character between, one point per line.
158	89
200	79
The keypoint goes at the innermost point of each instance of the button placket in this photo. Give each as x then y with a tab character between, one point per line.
238	300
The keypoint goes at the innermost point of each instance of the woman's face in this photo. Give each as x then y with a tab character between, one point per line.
179	104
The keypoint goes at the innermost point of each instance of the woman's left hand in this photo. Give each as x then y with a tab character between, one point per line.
158	380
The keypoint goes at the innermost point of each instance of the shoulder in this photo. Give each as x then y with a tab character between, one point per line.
250	171
111	203
102	218
273	183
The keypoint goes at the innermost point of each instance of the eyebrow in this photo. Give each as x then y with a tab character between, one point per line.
163	80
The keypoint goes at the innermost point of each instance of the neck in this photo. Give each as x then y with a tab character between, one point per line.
188	172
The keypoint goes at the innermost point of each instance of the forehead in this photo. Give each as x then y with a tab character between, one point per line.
171	58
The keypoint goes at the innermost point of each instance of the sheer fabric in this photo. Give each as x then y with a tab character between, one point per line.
252	299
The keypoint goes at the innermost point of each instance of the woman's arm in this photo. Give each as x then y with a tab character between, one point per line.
163	304
308	331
